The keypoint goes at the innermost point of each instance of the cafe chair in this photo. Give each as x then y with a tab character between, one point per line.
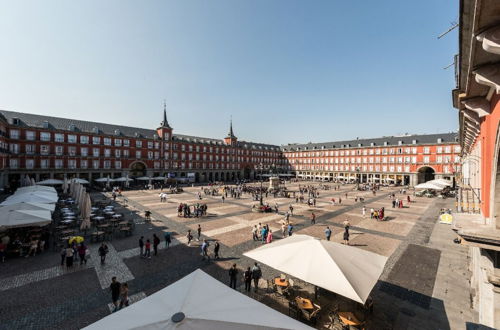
293	309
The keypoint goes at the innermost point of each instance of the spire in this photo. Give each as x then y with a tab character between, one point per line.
164	123
231	134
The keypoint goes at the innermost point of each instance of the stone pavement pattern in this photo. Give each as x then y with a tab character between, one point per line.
424	284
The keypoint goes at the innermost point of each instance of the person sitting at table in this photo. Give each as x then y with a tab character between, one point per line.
33	248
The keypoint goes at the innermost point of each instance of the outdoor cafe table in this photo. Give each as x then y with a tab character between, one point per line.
67	232
61	227
117	216
67	221
104	226
280	282
109	207
109	212
93	208
349	318
98	218
304	303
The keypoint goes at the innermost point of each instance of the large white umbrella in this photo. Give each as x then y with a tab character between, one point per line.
197	301
50	182
81	181
442	182
28	206
85	212
102	180
343	269
30	197
122	179
159	178
430	185
143	178
24	218
65	186
37	188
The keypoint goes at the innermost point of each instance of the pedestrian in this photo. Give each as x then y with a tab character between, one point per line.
372	211
313	218
168	239
63	254
291	209
269	237
328	233
141	246
255	236
156	242
103	250
82	249
256	275
346	236
115	287
364	211
263	234
123	295
393	204
223	198
290	229
3	248
346	224
199	232
247	277
189	237
147	253
283	230
69	257
148	215
233	273
216	250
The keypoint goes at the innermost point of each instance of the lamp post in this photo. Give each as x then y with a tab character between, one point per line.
261	167
357	177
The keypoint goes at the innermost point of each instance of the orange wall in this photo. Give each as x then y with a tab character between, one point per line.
488	135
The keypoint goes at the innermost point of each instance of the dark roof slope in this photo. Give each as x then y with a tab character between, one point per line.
391	141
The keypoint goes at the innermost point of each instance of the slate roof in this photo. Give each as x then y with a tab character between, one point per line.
82	126
391	141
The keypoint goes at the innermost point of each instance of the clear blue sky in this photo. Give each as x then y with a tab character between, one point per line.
287	71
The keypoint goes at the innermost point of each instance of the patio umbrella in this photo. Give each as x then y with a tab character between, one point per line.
50	182
65	186
37	188
343	269
30	197
197	301
443	182
24	218
158	178
430	185
85	212
81	181
32	182
76	239
143	178
28	206
101	180
127	183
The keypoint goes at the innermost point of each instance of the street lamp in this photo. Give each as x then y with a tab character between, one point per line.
261	167
357	177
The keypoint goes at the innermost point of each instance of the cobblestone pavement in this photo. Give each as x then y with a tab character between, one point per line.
424	284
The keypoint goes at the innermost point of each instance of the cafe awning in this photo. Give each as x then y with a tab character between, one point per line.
343	269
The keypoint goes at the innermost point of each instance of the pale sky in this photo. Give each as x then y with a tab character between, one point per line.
285	70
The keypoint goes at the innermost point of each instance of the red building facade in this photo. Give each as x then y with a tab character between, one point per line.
49	147
409	159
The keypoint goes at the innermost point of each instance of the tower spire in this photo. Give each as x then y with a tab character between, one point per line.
164	123
231	134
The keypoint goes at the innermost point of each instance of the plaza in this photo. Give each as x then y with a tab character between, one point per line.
424	284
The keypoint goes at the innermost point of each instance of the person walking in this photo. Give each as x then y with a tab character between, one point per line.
346	224
269	237
115	287
364	211
223	198
69	257
189	237
372	211
63	255
256	275
255	236
328	233
346	236
103	250
283	230
141	246
82	249
204	250
147	252
168	239
291	209
247	277
313	218
123	295
233	273
199	232
216	250
290	229
156	242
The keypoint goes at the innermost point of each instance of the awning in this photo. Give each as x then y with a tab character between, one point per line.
12	218
50	182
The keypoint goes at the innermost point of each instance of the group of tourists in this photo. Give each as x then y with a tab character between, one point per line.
197	210
262	233
250	274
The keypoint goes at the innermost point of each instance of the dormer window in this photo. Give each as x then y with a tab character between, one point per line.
385	143
372	144
72	127
359	145
439	140
45	124
136	134
95	130
414	142
117	132
400	142
16	121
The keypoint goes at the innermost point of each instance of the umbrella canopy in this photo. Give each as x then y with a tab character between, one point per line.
30	197
76	239
143	178
159	178
430	185
24	218
80	181
86	209
122	179
442	182
103	180
28	206
204	302
37	188
50	182
65	186
346	270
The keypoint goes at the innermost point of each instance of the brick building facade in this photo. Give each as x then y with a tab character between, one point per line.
409	159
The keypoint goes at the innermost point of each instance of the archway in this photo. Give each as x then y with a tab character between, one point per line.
210	177
197	177
216	176
247	173
138	169
425	174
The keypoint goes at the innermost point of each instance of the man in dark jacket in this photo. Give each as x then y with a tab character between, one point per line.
233	273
